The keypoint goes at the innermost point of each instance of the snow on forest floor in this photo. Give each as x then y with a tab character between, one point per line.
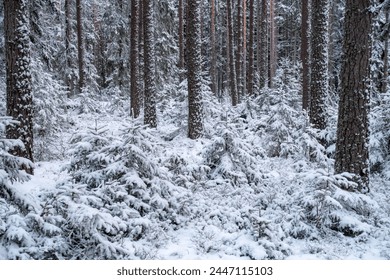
216	222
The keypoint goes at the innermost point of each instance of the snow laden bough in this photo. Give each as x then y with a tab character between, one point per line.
117	194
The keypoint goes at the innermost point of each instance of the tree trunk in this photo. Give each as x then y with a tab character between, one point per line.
68	38
251	47
272	44
134	61
239	49
263	50
80	45
353	125
232	68
305	55
243	75
195	114
150	117
19	95
319	63
181	36
213	69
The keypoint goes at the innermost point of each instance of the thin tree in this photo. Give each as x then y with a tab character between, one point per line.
195	114
251	47
80	45
19	96
353	124
134	61
150	115
68	39
305	55
232	66
243	75
239	52
181	36
213	66
319	63
262	54
272	44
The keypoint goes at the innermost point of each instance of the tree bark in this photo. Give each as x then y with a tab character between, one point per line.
19	86
305	55
195	114
263	49
232	66
272	44
319	63
80	45
353	125
150	117
134	61
251	47
213	69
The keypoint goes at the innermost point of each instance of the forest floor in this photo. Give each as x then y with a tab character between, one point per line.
245	205
210	231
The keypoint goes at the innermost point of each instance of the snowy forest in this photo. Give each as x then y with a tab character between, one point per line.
194	129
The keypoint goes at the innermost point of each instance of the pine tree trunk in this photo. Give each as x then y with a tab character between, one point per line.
68	39
195	114
150	117
19	95
305	55
80	45
232	68
181	36
353	125
239	50
134	61
272	44
319	63
251	47
243	75
263	50
213	69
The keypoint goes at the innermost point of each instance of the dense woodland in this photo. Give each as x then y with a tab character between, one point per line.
180	129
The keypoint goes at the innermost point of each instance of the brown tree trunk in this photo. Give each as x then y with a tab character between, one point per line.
134	61
305	55
194	59
80	45
68	38
150	117
19	95
353	125
239	49
272	44
251	47
263	49
232	68
213	69
243	75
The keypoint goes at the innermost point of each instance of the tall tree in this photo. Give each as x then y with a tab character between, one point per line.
150	115
19	86
232	66
134	61
251	47
181	35
305	55
213	69
195	114
239	39
243	75
272	44
80	45
319	62
353	124
262	52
